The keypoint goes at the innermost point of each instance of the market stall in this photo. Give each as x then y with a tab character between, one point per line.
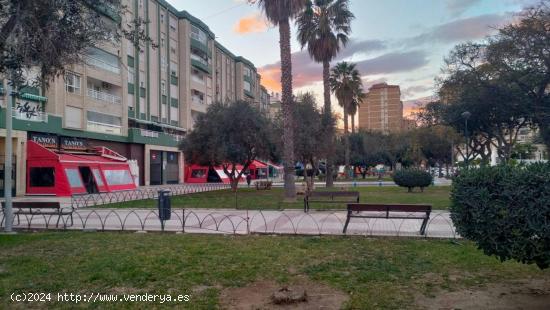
58	173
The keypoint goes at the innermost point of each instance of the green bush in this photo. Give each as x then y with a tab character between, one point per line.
506	211
412	178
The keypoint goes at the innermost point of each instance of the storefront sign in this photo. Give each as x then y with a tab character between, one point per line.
49	141
73	144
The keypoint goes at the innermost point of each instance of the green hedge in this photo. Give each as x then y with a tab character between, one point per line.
412	178
506	211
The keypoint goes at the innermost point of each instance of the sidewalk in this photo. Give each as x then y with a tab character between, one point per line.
241	222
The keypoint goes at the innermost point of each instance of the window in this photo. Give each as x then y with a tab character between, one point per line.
247	71
173	23
173	46
72	83
42	177
74	177
118	177
246	86
199	173
97	176
173	68
163	62
131	75
198	34
103	118
163	87
162	18
73	117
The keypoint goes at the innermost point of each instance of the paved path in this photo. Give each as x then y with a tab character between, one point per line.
228	221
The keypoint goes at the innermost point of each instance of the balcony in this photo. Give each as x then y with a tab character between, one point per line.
30	115
98	63
148	133
197	79
102	96
200	63
197	100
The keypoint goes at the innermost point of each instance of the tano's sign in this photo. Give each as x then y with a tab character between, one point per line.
56	142
49	141
73	144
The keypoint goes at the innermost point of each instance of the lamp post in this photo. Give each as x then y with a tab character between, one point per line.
466	115
8	214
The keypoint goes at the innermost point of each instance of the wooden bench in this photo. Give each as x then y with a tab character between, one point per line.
390	211
40	208
330	197
263	185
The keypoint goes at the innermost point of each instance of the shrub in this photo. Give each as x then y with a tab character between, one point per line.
506	211
412	178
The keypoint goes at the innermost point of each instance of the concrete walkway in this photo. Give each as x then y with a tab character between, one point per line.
228	221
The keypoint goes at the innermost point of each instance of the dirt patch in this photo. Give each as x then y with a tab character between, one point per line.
259	295
524	294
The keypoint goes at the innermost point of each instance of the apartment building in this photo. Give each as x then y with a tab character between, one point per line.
137	101
382	109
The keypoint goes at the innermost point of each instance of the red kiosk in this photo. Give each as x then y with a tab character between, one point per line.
204	174
60	173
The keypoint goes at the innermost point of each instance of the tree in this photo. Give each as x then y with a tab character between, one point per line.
520	55
324	26
354	106
230	136
50	35
310	144
345	83
279	13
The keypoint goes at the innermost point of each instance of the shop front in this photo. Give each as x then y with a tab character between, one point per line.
63	166
165	165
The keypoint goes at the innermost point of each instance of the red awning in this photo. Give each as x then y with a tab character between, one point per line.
258	164
88	159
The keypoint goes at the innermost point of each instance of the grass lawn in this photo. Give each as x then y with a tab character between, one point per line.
374	273
437	196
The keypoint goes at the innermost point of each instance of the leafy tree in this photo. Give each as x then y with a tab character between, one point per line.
279	13
520	54
229	135
437	144
324	26
310	144
346	84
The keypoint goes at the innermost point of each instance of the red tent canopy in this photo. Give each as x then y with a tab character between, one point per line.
65	174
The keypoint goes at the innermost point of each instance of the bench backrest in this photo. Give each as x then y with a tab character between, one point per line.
389	207
324	194
34	204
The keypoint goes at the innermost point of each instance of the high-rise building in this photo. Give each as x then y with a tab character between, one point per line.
382	110
137	101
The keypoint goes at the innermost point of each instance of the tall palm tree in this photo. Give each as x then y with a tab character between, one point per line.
345	81
324	26
279	13
354	105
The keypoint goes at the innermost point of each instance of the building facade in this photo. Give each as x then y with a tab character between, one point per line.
382	109
137	100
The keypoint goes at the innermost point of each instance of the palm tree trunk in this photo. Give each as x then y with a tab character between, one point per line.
346	142
286	102
353	123
328	123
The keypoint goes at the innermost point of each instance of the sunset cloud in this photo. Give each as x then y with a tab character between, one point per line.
250	24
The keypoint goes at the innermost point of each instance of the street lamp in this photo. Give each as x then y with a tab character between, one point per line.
466	115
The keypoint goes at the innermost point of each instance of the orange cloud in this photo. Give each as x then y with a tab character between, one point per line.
271	78
250	24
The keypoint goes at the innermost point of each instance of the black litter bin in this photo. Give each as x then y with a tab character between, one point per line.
164	205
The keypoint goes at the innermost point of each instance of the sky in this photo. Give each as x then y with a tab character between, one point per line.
401	42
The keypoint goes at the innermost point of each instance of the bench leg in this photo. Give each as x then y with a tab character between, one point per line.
347	222
423	226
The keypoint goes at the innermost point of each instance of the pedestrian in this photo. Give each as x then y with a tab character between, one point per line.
248	179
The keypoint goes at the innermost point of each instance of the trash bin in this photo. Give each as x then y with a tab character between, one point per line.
164	205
